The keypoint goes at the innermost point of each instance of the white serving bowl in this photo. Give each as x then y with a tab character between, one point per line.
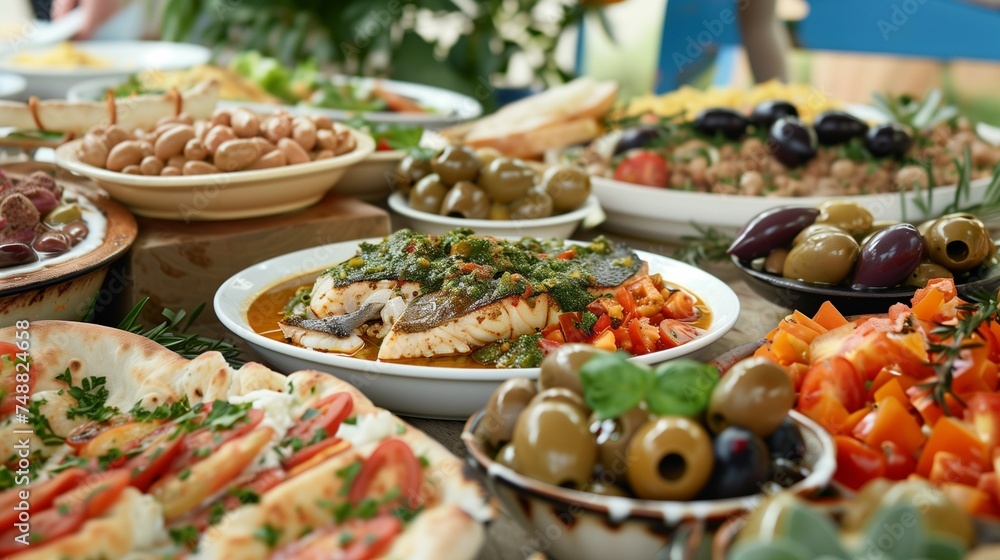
124	58
11	85
428	391
652	212
221	196
560	226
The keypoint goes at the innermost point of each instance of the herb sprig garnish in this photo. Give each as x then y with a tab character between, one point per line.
709	245
982	310
179	340
91	396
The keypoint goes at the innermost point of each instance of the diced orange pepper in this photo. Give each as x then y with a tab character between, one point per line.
764	351
798	330
893	423
950	468
946	286
972	500
929	409
797	372
557	336
886	374
828	412
927	308
955	436
789	349
829	316
989	483
893	390
854	418
804	320
605	341
831	343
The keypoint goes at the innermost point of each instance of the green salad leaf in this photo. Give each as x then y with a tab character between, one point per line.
682	388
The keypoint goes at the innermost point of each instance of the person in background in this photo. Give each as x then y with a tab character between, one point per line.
764	39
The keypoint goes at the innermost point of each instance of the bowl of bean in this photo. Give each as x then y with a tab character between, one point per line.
237	164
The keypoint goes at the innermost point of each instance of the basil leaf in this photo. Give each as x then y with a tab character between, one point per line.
682	388
612	385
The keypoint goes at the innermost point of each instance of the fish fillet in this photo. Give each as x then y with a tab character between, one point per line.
328	299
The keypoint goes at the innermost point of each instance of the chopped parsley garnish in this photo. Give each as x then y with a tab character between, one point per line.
310	413
112	455
268	534
225	415
64	509
91	396
184	474
424	462
40	423
351	421
168	411
348	473
345	539
245	495
6	478
69	462
202	452
319	436
216	513
185	535
294	443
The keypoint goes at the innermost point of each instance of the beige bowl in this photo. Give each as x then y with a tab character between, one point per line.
221	196
372	178
575	525
67	290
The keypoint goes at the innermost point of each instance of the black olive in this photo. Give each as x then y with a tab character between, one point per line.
728	122
12	254
888	139
792	142
769	230
837	127
638	137
52	242
786	442
742	465
889	257
766	112
77	231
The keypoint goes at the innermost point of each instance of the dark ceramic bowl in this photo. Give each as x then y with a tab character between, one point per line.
807	298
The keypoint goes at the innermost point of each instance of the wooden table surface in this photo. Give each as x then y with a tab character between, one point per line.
505	540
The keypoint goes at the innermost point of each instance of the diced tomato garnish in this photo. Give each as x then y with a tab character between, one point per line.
835	376
626	300
603	323
673	333
644	336
857	463
390	454
571	332
899	464
643	167
566	255
329	413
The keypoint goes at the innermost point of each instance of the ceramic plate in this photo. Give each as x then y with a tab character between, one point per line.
655	213
221	196
11	85
435	392
122	59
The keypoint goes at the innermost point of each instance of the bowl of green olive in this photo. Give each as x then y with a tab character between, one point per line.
799	257
491	194
608	458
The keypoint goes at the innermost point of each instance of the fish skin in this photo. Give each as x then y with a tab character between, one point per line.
506	318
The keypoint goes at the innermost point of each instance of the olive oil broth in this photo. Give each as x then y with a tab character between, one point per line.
268	308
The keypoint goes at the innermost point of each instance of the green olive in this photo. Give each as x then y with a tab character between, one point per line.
937	512
814	229
532	206
824	258
569	187
925	272
959	242
506	456
64	214
766	521
506	180
561	367
503	408
755	394
428	194
613	436
411	170
499	212
487	155
924	227
553	444
456	163
848	216
466	200
560	394
669	458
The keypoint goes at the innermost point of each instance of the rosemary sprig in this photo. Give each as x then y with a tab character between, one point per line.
709	246
179	340
981	310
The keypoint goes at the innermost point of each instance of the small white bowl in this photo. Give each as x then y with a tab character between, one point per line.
560	226
221	196
11	85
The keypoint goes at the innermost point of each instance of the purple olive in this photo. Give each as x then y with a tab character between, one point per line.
731	124
13	254
837	127
766	112
638	137
889	257
769	230
77	231
52	242
888	139
792	142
